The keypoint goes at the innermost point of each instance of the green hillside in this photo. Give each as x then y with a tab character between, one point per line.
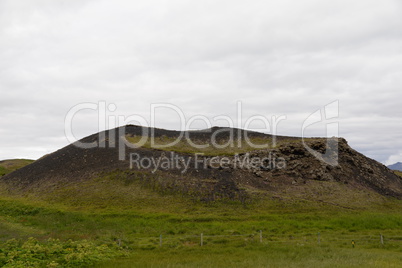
117	223
7	166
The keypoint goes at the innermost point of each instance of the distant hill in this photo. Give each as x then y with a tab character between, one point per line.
8	166
396	166
73	172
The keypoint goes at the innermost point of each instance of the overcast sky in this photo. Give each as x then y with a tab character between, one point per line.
277	58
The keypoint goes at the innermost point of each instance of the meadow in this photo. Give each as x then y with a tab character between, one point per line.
75	231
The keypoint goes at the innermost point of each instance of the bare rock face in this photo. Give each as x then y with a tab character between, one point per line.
294	164
343	165
291	163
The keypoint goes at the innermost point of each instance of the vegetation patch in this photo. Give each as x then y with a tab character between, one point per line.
213	147
399	173
55	253
8	166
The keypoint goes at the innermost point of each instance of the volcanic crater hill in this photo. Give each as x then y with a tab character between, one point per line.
287	169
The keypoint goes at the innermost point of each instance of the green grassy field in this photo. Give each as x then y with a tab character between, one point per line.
112	222
261	256
113	228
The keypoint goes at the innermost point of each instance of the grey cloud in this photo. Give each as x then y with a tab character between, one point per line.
277	57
